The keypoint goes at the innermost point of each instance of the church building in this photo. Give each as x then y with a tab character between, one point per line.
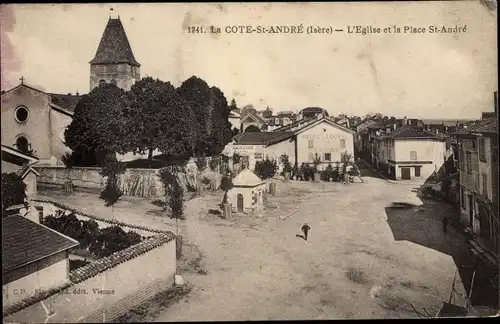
34	121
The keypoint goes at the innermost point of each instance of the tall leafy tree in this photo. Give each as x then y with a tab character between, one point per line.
159	118
233	106
221	132
197	94
100	122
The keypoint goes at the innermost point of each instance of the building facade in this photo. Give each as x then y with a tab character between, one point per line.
409	152
114	61
320	138
478	181
33	122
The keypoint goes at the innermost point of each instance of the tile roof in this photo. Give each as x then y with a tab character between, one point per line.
24	242
247	178
26	156
25	170
67	102
261	138
114	46
412	132
488	125
445	122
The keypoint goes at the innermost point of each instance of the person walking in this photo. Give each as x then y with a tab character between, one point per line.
445	226
305	230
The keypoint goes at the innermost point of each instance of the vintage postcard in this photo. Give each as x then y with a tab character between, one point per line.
249	161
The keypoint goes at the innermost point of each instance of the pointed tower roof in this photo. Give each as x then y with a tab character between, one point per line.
247	178
114	46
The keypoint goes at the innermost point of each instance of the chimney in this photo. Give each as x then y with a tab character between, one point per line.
69	93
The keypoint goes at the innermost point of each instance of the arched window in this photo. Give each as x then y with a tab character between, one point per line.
22	144
21	114
102	82
113	82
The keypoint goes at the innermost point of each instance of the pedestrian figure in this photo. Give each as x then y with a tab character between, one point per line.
305	230
445	224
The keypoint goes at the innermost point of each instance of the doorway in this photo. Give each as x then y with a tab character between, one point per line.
239	203
471	209
405	174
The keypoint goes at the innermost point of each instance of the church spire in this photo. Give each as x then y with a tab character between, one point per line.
114	46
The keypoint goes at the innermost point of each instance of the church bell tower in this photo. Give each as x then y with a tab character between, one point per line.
114	61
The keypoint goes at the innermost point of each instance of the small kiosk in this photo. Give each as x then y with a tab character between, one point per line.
247	194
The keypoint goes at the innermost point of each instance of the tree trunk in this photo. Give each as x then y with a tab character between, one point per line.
150	155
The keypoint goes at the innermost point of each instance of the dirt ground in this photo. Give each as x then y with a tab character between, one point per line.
356	264
351	267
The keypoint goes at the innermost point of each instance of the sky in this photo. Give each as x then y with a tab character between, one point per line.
415	75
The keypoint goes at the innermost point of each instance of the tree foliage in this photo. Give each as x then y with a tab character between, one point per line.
265	169
220	133
111	169
13	190
101	242
174	193
159	119
99	124
198	96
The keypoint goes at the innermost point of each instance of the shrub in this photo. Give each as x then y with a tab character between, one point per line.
206	181
287	166
214	164
236	158
316	163
177	201
201	163
101	242
296	170
328	172
303	171
13	190
226	185
265	169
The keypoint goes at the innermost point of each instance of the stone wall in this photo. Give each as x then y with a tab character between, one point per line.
134	182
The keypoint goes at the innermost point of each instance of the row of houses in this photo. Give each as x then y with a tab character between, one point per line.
478	184
302	141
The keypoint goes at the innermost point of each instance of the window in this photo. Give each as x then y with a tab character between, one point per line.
462	197
482	154
311	144
468	161
342	143
100	70
21	114
22	144
328	156
102	82
113	82
461	160
276	121
113	69
413	155
311	156
258	156
485	184
417	171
